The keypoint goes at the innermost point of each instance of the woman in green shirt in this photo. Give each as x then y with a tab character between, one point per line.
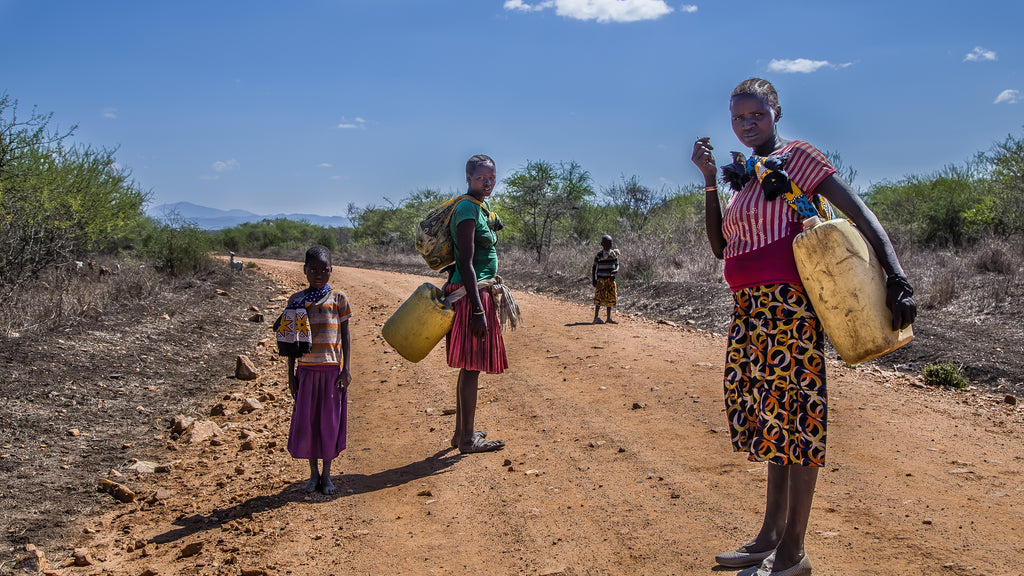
475	344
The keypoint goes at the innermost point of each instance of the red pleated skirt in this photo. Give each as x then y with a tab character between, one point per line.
465	351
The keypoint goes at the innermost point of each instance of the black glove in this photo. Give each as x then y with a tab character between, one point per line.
899	299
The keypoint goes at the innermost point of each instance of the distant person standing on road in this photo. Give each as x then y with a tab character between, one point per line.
775	394
602	276
318	369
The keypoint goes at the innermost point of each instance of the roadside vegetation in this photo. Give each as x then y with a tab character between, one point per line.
70	214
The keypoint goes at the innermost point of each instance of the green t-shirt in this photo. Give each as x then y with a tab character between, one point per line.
485	256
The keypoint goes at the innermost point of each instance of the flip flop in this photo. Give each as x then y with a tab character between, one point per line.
481	445
479	433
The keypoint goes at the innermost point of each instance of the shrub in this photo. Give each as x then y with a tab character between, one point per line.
57	202
944	374
180	249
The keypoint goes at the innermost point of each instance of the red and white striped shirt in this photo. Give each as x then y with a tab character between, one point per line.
759	234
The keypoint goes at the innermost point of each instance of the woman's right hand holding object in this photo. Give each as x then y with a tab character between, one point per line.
704	159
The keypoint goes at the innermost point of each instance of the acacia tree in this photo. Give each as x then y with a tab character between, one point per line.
542	196
634	203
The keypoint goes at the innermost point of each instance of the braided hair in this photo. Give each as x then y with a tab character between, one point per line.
762	89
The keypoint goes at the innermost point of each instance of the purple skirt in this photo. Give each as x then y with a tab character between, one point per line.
319	417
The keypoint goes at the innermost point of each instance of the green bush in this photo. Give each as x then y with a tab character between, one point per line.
57	202
280	234
179	248
944	374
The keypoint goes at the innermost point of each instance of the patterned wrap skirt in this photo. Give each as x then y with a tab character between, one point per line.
605	293
471	353
319	418
775	394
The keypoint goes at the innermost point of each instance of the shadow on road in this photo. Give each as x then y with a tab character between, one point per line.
348	485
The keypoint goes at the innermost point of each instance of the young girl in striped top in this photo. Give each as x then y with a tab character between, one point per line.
319	379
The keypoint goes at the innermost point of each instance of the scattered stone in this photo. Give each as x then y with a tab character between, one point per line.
114	474
218	409
201	430
425	493
257	317
507	462
118	491
239	469
220	292
216	442
267	397
245	369
254	572
1010	399
448	411
180	423
82	557
246	434
927	521
191	549
164	468
254	308
33	561
248	445
639	405
667	323
73	432
250	405
149	572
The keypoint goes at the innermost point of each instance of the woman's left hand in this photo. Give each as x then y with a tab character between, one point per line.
899	299
478	325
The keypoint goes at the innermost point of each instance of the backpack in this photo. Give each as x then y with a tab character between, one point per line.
434	237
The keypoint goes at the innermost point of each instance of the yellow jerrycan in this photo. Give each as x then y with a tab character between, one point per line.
846	285
419	323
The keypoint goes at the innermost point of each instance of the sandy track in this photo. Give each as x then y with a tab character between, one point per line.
917	481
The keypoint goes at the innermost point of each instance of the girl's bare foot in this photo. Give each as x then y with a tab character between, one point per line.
327	487
313	485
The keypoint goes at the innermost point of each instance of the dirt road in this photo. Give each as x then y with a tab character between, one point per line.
618	462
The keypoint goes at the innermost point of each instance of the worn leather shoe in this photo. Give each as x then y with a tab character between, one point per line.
740	558
762	569
801	568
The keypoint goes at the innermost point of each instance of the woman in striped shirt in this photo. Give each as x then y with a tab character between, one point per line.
775	391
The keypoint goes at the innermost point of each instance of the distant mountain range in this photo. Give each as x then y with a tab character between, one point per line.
215	219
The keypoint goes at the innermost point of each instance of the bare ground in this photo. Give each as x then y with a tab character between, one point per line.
617	460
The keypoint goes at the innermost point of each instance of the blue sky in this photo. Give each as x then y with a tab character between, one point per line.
308	106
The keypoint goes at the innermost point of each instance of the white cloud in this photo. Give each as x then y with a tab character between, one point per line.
110	113
523	7
225	166
688	8
356	124
1008	97
803	65
979	54
325	165
599	10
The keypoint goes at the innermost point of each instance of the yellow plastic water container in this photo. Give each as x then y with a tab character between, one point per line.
419	323
846	285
